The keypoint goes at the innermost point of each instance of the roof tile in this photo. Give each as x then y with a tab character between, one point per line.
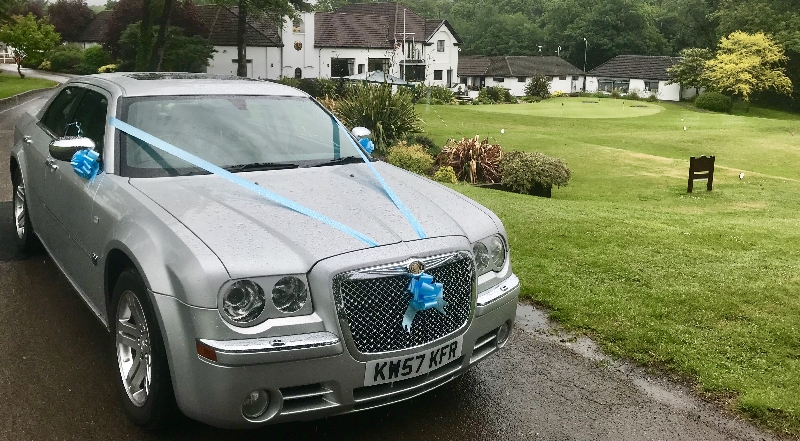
641	67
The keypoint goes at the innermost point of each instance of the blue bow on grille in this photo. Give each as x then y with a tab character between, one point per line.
424	295
85	164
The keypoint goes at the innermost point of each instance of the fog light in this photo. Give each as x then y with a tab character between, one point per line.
255	404
502	334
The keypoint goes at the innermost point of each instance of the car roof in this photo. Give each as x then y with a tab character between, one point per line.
174	83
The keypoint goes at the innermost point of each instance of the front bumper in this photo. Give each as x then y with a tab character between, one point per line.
301	362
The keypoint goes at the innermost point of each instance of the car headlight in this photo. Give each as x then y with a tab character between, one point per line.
490	254
243	302
289	294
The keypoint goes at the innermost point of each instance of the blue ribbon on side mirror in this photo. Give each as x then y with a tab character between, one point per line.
85	164
368	145
425	295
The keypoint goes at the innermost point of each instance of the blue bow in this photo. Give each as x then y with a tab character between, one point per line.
85	164
425	295
368	145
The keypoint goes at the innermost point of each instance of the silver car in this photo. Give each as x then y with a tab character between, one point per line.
251	261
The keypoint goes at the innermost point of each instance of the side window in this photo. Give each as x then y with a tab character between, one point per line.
55	118
91	116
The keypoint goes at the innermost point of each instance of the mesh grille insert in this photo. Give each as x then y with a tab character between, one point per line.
373	309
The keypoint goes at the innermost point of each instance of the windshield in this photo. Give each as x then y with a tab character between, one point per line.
238	133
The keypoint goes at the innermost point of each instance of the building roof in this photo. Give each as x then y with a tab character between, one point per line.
398	19
641	67
96	29
222	23
337	29
515	66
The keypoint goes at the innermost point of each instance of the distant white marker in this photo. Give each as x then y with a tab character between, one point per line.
741	175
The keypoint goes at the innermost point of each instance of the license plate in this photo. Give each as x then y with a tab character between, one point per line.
410	366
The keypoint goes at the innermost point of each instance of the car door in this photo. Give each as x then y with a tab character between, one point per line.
39	166
70	198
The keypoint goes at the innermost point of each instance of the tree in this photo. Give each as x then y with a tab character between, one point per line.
69	17
746	64
181	53
689	70
27	36
538	86
611	27
686	24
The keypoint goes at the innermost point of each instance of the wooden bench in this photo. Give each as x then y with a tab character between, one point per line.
701	168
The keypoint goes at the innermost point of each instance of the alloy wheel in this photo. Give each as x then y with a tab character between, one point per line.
19	209
134	355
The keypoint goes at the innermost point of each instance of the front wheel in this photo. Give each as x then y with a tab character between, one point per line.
25	239
144	384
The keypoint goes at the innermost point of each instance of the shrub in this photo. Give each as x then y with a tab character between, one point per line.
714	101
558	94
389	116
94	58
460	156
652	98
318	88
531	99
523	171
107	68
616	94
413	158
633	95
181	53
429	144
600	94
538	86
446	175
433	94
65	58
45	65
495	95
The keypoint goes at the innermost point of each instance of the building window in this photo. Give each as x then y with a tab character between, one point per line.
651	85
360	68
440	46
437	75
342	67
562	77
462	80
379	64
298	73
298	27
415	73
612	84
498	79
522	79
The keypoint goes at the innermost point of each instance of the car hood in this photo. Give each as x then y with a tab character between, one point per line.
253	236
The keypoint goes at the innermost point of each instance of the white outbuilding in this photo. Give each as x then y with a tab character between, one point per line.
645	75
513	72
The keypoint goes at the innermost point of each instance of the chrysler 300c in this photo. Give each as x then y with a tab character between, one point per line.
251	260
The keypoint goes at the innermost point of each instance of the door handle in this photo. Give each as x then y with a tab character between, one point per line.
50	162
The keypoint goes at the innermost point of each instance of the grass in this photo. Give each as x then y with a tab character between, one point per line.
706	285
12	84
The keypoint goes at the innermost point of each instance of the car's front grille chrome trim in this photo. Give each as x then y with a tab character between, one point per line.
371	303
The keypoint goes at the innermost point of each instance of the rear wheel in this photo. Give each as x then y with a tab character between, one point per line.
144	385
25	239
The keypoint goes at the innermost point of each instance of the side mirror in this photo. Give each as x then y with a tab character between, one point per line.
360	132
64	149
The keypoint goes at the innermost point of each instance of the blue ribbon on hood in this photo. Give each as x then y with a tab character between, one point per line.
288	203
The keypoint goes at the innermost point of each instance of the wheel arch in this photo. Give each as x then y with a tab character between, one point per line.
117	261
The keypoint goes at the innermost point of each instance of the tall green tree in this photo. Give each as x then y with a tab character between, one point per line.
746	64
69	17
686	24
27	36
689	70
488	31
610	27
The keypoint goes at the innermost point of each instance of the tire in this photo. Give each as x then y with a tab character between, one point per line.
24	236
143	380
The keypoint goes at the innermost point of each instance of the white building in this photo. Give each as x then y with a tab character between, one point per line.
357	38
513	72
645	75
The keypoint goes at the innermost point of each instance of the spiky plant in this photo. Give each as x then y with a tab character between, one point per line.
473	160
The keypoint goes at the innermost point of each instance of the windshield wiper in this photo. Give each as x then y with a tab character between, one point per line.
260	166
338	161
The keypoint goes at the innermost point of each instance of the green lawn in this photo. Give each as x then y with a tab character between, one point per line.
706	285
12	84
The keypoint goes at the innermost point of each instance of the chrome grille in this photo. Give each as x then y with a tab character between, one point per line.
372	302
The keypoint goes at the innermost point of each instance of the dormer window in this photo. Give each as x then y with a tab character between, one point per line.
298	27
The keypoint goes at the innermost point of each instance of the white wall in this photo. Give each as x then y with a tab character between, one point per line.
517	88
222	63
670	92
306	58
591	84
444	61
